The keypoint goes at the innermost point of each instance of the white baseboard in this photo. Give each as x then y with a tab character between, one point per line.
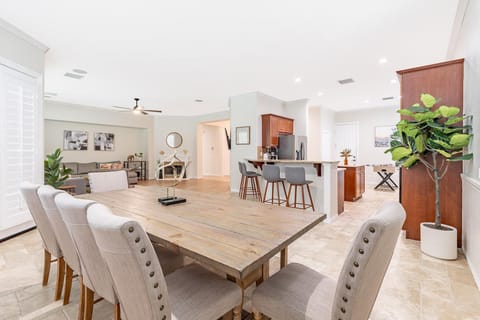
16	229
475	274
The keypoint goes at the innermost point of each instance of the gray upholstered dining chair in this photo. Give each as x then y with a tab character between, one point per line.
47	195
108	181
190	293
49	240
95	275
298	292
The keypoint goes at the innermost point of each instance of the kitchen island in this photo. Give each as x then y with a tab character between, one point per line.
324	177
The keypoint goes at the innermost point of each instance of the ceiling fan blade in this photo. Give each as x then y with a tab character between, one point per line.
149	110
125	108
144	113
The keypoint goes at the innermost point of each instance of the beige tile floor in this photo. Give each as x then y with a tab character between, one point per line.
415	286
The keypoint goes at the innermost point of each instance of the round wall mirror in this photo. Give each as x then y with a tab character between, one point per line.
174	140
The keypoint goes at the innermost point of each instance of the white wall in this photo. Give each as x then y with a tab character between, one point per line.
367	120
215	153
468	47
61	115
127	141
321	133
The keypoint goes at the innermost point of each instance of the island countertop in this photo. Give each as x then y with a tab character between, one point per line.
293	161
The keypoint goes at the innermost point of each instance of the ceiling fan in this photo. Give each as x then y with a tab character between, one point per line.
137	109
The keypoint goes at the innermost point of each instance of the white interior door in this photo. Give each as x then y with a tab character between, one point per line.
346	137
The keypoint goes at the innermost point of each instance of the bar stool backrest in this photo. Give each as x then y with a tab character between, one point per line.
243	168
295	175
271	173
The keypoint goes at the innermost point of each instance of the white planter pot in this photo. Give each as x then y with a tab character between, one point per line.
438	243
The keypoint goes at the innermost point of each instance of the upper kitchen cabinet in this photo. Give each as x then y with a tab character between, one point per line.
273	126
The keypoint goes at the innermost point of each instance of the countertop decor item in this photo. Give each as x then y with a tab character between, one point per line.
55	173
345	153
433	136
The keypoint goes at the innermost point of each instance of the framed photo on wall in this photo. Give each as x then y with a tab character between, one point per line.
75	140
383	136
104	141
242	135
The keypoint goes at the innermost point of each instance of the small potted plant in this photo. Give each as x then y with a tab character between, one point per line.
345	153
55	173
432	137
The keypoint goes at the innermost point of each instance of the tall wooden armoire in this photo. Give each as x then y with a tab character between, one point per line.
417	193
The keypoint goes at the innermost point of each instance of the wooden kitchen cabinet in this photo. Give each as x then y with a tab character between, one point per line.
354	182
273	126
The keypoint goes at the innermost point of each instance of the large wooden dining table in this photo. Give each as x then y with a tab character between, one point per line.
232	236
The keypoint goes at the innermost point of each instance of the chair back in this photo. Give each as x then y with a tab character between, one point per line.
47	195
108	181
133	264
50	243
242	167
367	262
295	175
95	273
271	173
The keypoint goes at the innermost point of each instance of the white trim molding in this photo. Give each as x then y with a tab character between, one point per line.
22	35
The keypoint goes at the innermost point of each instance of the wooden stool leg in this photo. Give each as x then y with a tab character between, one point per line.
278	193
240	192
88	303
295	203
60	278
273	191
303	197
310	196
285	192
257	315
68	285
116	311
259	189
265	191
288	195
81	303
47	258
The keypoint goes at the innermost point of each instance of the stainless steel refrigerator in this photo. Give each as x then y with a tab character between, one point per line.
292	147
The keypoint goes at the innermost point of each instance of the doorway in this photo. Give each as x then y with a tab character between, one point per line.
346	137
213	149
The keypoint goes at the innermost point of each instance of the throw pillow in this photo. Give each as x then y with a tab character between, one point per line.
105	166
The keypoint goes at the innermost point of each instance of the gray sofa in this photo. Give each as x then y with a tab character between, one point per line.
81	170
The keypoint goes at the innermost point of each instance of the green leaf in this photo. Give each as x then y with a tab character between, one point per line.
410	161
443	153
459	140
405	112
453	120
400	152
462	158
428	100
443	144
446	111
419	143
395	143
417	108
424	116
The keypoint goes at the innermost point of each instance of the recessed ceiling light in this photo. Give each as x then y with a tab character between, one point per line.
320	94
346	81
73	75
393	81
388	98
198	100
382	60
79	71
298	80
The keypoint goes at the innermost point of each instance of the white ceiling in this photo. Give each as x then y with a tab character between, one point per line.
170	53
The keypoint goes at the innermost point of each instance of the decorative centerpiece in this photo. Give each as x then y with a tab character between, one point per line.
345	153
169	161
55	174
432	138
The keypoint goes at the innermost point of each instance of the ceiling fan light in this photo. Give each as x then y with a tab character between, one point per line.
137	111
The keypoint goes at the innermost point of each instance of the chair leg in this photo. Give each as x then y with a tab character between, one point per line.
81	303
295	198
303	198
240	191
88	303
310	196
285	192
68	285
258	189
288	195
117	311
257	315
265	191
60	278
273	191
47	257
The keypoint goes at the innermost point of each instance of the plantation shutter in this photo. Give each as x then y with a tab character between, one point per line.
20	145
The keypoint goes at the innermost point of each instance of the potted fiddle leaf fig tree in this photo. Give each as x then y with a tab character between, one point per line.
432	137
55	172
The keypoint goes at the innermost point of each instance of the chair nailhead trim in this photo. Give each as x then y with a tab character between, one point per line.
148	263
130	229
142	250
155	285
152	274
137	240
356	264
345	299
365	240
343	310
348	287
162	307
352	274
160	296
361	251
372	229
164	317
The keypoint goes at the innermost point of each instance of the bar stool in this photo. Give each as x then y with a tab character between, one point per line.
247	176
296	178
271	174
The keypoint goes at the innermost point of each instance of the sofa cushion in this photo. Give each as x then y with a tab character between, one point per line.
71	165
87	167
105	165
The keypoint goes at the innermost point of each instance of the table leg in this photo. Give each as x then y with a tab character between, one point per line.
265	273
284	257
237	311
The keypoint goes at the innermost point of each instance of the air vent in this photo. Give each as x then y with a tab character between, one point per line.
73	75
346	81
388	98
80	71
51	94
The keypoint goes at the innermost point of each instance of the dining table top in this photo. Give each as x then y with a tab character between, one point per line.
229	234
